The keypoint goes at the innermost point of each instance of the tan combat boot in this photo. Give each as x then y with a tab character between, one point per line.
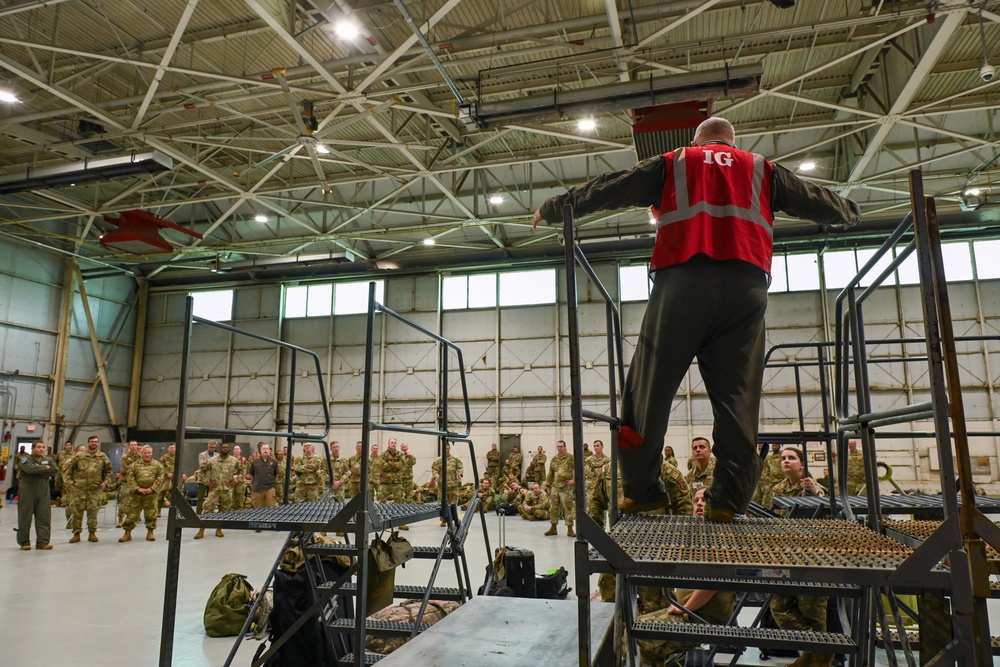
150	537
218	532
552	530
570	531
127	537
200	534
75	538
92	537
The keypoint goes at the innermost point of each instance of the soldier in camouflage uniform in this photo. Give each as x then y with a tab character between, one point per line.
487	498
354	463
668	456
279	479
310	475
88	476
517	460
592	467
673	481
800	612
534	504
167	461
508	470
770	474
390	477
145	478
220	474
341	471
455	470
374	472
586	451
536	469
855	468
61	459
240	490
124	492
701	466
562	497
493	464
409	461
69	496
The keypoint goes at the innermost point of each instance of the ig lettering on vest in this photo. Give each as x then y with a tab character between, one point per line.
721	158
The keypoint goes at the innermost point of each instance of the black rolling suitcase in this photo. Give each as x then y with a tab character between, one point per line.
520	566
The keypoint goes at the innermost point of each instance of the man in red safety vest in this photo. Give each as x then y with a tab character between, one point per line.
714	205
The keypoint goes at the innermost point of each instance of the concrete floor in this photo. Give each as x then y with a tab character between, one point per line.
89	604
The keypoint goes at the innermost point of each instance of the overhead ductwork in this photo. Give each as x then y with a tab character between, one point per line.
654	91
138	233
86	171
658	130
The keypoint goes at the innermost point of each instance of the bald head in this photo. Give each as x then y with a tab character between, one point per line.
714	129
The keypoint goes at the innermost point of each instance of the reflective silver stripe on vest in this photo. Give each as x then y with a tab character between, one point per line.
685	211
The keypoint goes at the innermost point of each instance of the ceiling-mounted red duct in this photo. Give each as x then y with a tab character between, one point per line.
138	233
661	129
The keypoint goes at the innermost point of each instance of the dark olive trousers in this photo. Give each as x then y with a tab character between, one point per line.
714	312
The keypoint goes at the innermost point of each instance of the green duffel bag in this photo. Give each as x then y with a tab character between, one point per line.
228	606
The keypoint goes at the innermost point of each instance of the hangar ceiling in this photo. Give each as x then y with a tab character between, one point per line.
356	153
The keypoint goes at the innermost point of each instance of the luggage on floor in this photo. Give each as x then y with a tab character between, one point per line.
228	606
406	612
552	586
519	565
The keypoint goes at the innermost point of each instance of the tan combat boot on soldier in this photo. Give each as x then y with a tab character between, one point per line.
75	538
150	537
127	537
570	531
92	537
552	530
218	532
200	534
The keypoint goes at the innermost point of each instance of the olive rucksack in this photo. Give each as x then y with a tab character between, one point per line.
227	608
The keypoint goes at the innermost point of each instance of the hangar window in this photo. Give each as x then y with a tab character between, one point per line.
839	267
987	268
352	298
528	288
779	274
957	261
803	272
216	305
864	255
475	291
309	300
634	283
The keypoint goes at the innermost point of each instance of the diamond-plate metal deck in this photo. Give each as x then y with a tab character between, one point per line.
313	516
893	504
369	659
732	635
821	551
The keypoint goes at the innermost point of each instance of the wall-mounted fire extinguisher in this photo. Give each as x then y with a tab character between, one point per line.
6	443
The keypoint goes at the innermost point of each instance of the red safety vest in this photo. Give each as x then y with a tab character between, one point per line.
716	201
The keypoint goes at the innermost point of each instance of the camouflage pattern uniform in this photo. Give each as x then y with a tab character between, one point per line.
487	498
310	474
167	461
279	479
673	481
672	460
673	653
592	467
354	484
62	458
539	504
770	475
562	500
517	461
409	462
697	479
493	465
455	470
342	474
510	469
799	612
240	490
374	474
221	471
536	469
124	492
390	480
69	495
855	473
144	475
85	472
586	451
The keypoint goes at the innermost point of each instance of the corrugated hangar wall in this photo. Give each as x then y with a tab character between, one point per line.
516	362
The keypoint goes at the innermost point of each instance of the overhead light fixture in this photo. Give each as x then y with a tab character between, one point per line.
86	171
652	218
972	192
586	124
496	200
8	96
560	104
320	148
429	241
807	165
260	217
346	30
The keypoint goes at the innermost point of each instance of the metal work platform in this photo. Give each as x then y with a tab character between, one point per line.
760	549
723	635
891	504
750	585
914	533
913	637
318	516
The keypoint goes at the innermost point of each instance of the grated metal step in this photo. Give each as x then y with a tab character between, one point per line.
761	550
733	635
369	659
750	586
374	627
893	504
914	638
349	550
314	516
402	592
912	533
